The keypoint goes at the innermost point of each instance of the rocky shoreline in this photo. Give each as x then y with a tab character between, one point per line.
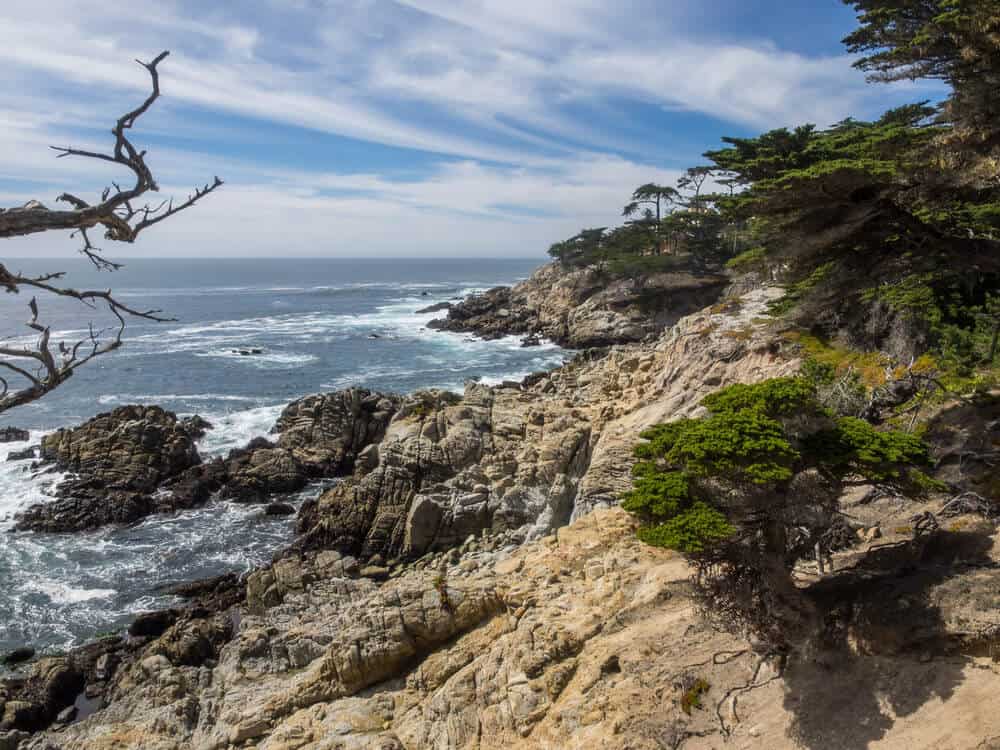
583	308
470	581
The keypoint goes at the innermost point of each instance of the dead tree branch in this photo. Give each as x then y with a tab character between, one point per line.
43	365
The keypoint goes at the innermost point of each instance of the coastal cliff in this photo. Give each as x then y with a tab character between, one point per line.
584	307
471	583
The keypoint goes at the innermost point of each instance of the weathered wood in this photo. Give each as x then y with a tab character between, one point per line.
38	370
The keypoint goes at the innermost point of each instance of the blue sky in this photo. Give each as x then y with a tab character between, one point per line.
409	127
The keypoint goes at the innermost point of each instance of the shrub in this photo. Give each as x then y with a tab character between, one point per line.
691	697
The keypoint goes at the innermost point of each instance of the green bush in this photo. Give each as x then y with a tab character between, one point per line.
693	472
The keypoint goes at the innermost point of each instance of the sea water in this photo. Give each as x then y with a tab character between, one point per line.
318	325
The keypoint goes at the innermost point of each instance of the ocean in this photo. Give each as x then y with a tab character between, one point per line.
319	325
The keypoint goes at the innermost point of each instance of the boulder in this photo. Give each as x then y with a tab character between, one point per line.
18	655
153	624
13	435
117	461
52	685
326	432
28	454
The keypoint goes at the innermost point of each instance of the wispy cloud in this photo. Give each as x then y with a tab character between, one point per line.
523	113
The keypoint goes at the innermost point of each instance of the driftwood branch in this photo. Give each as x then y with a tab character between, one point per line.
43	365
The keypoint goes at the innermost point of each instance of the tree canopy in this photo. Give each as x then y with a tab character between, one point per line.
753	487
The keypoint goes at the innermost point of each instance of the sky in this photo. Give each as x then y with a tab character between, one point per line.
390	128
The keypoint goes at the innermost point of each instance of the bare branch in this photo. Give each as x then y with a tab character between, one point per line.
123	218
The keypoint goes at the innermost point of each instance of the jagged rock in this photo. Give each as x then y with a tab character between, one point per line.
429	489
581	308
196	426
438	307
118	460
212	594
18	655
279	509
139	460
326	432
152	624
132	446
28	454
13	435
53	684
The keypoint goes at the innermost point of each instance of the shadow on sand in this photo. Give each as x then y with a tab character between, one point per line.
887	650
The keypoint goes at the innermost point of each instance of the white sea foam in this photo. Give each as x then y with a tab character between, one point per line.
159	398
236	429
20	487
264	359
60	593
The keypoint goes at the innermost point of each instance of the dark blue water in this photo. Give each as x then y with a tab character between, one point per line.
313	320
319	325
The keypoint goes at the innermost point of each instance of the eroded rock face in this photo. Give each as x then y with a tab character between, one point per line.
118	460
326	432
530	456
582	308
451	467
585	638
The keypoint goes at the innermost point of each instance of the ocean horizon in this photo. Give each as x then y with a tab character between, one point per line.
251	336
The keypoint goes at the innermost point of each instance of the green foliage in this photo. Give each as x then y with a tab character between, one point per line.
745	447
658	494
750	442
660	439
795	292
855	446
775	397
952	40
693	692
961	315
691	531
748	260
669	228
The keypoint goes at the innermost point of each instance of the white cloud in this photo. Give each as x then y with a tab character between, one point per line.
497	86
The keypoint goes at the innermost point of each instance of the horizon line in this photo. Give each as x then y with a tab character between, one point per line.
292	257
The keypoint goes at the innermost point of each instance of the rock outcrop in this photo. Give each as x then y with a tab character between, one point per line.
582	308
117	461
13	435
583	639
438	600
326	433
140	460
530	456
